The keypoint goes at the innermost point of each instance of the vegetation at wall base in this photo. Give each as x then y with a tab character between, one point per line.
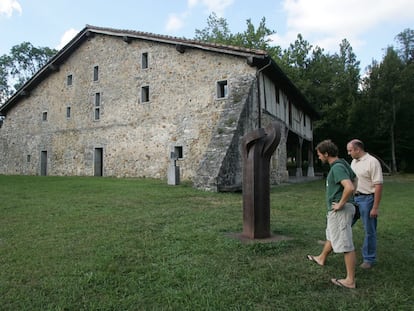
83	243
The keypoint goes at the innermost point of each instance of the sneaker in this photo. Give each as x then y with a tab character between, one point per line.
366	265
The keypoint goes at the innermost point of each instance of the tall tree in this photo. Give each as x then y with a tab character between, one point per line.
254	38
22	63
405	115
4	76
329	82
296	59
218	31
384	91
406	42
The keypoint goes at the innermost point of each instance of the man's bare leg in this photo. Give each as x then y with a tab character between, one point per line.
321	258
349	281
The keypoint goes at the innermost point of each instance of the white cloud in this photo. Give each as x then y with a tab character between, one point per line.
174	23
192	3
67	36
326	22
8	6
216	6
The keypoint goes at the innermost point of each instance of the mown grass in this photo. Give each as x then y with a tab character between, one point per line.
78	243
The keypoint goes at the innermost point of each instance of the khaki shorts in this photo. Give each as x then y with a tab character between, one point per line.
339	230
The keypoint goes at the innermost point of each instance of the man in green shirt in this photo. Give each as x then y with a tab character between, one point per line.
340	212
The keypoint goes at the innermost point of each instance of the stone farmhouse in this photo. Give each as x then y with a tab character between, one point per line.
129	104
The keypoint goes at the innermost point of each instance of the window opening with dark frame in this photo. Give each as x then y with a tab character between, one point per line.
178	152
222	89
97	106
44	116
96	73
145	94
144	60
69	80
68	112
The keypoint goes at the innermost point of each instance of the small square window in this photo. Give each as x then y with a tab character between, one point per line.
222	89
144	60
44	116
145	94
69	80
95	73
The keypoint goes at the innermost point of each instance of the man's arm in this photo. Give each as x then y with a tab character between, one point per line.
377	200
348	191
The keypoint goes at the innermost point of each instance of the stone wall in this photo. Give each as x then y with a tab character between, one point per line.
136	137
221	167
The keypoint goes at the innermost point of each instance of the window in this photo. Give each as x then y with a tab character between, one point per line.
95	73
222	89
29	158
44	116
97	108
178	152
68	112
145	94
144	60
69	80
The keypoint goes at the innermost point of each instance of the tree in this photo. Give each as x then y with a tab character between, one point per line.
384	92
253	38
22	63
406	41
329	82
217	31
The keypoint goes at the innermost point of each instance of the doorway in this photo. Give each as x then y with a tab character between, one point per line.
98	162
43	163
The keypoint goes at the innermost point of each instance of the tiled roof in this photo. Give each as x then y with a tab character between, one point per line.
175	40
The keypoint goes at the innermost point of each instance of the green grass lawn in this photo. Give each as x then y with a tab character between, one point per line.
78	243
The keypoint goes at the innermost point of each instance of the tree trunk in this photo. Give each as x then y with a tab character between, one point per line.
394	162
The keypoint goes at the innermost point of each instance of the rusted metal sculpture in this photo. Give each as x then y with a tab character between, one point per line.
258	147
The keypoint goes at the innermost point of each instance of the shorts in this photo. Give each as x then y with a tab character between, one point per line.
339	229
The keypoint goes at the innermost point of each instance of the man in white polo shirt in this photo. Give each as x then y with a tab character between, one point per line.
367	196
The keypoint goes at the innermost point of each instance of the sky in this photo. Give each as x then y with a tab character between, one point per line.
369	25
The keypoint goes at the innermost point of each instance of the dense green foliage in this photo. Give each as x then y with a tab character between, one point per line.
20	65
79	243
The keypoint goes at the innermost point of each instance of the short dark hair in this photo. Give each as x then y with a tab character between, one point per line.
327	146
